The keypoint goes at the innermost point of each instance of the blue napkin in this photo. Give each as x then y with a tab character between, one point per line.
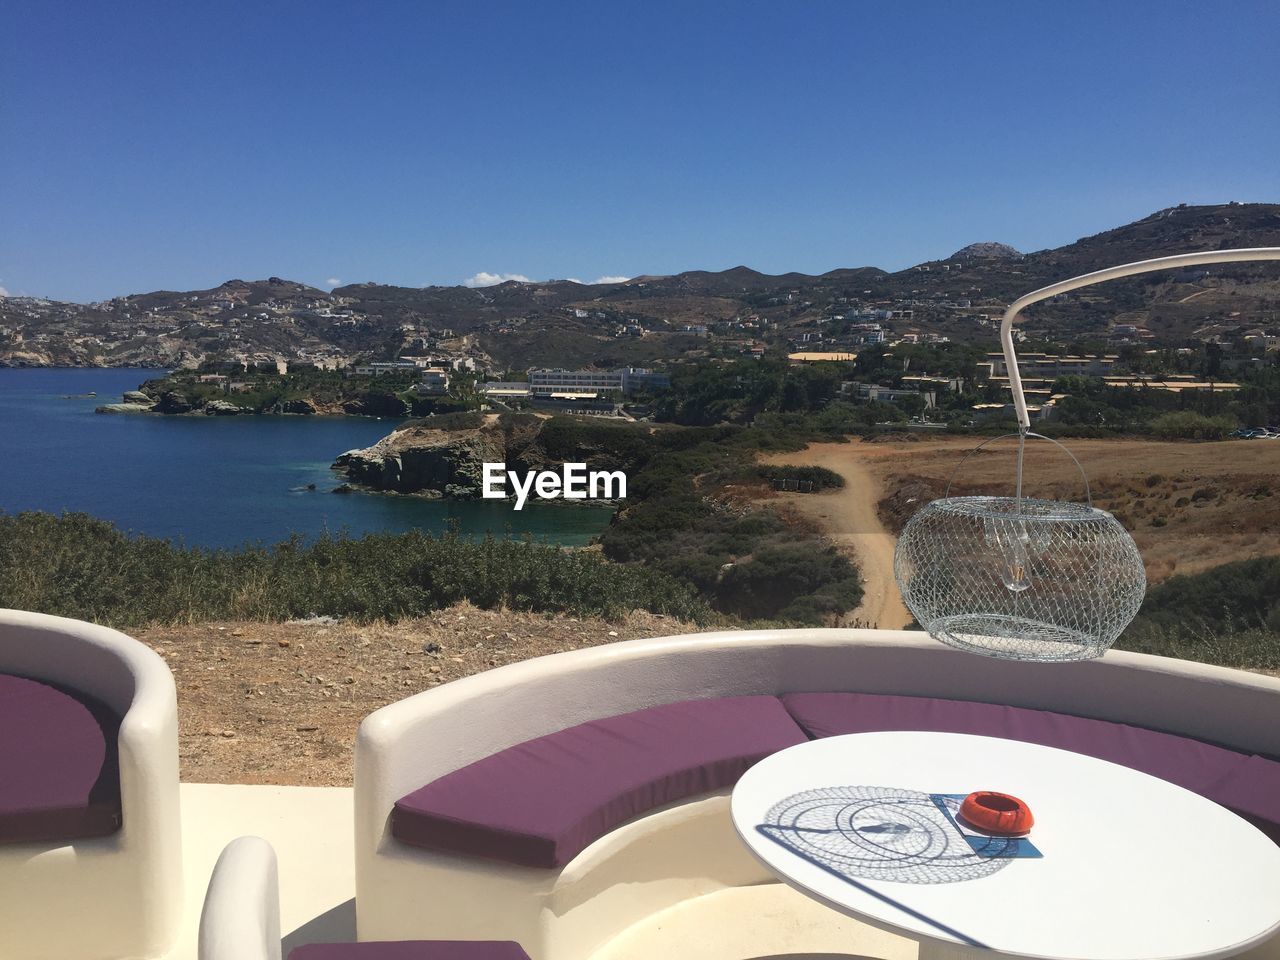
983	844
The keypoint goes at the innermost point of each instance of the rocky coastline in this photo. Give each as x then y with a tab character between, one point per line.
177	403
444	456
441	461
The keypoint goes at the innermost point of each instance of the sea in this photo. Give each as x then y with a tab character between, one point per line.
219	481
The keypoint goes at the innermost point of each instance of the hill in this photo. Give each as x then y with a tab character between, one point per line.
987	250
688	315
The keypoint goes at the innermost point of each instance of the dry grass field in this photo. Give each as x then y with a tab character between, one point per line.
1189	506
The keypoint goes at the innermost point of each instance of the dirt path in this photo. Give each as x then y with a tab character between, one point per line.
849	517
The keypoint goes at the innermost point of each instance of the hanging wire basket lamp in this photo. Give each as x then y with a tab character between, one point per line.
1021	578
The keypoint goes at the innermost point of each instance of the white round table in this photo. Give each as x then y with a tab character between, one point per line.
1133	867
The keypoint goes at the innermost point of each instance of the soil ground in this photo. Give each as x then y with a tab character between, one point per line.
280	702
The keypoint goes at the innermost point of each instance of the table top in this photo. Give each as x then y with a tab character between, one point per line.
1133	867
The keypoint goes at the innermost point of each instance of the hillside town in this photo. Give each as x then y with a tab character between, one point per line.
918	341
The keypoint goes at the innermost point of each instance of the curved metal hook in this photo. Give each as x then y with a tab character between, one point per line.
1242	255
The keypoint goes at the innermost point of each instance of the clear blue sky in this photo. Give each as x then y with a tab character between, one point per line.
176	145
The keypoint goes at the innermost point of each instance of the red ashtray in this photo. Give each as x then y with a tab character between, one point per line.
993	812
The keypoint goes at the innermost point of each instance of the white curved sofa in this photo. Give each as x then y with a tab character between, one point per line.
241	915
116	896
689	848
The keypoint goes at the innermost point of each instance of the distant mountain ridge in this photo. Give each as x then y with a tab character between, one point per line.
560	322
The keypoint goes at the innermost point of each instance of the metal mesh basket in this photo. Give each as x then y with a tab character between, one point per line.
1020	578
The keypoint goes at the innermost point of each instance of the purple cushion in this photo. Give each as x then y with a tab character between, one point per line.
1250	785
1255	792
542	802
59	776
412	950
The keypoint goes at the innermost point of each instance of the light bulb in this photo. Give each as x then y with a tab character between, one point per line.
1016	572
1012	543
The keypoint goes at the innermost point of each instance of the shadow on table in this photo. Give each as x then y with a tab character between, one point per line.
776	833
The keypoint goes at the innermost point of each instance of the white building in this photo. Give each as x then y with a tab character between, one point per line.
433	382
622	380
505	389
384	367
874	391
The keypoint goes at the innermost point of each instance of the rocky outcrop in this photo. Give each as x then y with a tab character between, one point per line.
173	402
124	408
987	250
447	460
135	401
222	408
25	358
302	407
376	403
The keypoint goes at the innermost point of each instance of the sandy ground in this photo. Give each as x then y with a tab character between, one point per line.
850	518
280	703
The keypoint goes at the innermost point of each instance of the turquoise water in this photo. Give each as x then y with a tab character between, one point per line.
217	481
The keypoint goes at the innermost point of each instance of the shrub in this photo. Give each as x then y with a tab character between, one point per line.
1189	425
676	522
1228	615
790	582
78	566
820	477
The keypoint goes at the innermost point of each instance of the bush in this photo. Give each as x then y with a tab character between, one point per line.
1229	615
790	582
820	477
1188	425
676	521
78	566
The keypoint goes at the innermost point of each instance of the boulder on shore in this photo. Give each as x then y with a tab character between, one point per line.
124	408
173	402
137	397
222	408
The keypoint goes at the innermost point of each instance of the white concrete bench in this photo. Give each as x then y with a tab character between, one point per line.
120	894
688	849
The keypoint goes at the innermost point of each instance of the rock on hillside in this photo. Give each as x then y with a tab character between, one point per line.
987	250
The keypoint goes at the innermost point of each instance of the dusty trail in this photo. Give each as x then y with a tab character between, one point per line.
850	519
